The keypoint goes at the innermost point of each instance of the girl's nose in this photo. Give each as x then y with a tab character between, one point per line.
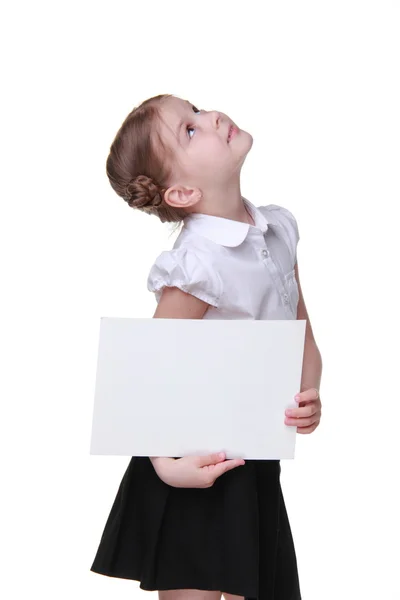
216	119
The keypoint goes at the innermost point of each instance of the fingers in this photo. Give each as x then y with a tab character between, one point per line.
218	464
303	411
308	429
227	465
302	422
210	459
310	395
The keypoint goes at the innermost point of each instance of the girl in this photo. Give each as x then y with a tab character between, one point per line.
205	527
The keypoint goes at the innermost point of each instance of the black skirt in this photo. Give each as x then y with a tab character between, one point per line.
233	537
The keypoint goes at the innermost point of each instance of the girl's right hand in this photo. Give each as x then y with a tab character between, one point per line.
193	471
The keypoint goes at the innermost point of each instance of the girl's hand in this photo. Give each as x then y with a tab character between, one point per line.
308	416
193	471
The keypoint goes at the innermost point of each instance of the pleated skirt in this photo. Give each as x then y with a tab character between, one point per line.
234	537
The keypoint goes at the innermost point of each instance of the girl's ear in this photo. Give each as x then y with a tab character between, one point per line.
182	197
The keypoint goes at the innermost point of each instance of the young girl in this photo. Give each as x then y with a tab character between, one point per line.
202	527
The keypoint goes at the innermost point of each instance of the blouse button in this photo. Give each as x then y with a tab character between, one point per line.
264	252
286	297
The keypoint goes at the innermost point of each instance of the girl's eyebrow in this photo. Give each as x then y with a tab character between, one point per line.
178	129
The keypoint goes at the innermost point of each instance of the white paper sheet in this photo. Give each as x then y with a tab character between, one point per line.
178	387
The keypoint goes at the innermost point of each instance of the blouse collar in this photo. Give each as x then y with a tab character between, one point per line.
226	232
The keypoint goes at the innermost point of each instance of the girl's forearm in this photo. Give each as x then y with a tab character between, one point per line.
158	459
312	366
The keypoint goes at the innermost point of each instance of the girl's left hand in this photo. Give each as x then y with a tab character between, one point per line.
307	417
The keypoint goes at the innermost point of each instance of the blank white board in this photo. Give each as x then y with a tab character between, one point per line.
179	387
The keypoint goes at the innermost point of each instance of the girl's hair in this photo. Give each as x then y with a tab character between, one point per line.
138	165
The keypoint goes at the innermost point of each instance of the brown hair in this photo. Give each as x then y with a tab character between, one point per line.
136	168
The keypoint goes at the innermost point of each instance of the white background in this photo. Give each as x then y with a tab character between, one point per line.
317	85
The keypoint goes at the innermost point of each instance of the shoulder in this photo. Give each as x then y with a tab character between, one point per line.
281	215
188	268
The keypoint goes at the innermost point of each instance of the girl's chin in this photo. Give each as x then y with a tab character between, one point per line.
243	137
249	136
246	141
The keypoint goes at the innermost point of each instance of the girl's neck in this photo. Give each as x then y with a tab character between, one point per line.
240	213
235	211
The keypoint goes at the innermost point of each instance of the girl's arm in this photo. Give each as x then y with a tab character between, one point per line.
312	360
189	471
308	415
175	304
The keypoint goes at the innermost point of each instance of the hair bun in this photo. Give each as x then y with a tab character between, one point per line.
141	192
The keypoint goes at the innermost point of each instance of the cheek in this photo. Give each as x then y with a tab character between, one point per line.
215	155
210	159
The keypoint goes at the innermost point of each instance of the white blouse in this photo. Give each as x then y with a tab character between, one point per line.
242	271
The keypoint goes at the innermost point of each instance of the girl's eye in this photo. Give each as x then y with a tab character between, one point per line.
190	127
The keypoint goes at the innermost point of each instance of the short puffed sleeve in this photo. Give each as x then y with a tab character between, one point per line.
288	222
187	270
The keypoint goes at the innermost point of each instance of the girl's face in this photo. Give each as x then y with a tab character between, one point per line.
204	158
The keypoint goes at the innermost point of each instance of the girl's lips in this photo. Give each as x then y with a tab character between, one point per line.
232	132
